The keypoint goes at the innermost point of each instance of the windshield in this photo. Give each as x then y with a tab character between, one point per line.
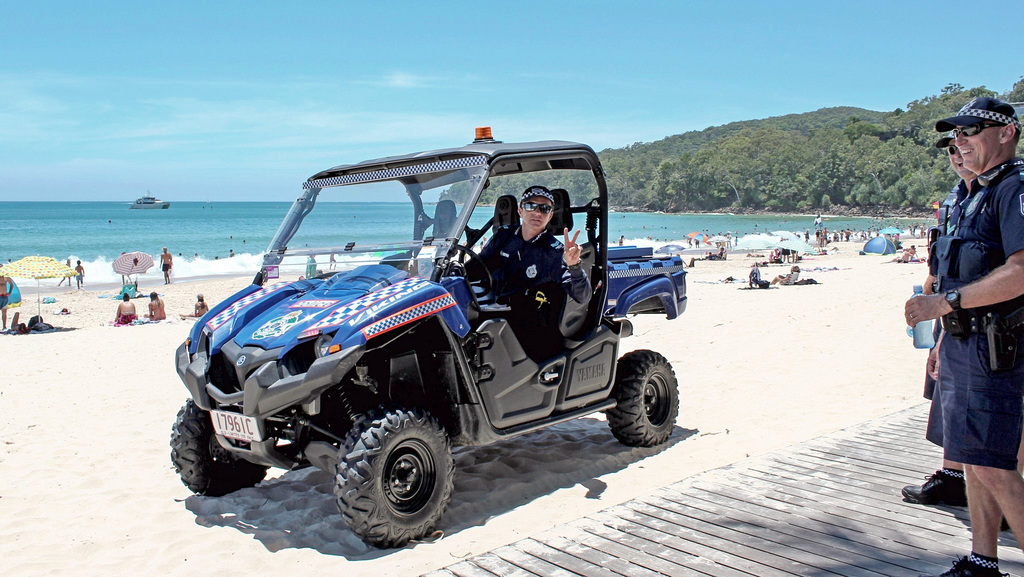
406	219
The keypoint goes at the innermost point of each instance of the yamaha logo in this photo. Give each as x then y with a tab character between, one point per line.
240	361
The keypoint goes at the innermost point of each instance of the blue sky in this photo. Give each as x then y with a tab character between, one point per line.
244	100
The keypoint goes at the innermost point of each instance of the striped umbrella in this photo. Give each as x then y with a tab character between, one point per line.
131	263
37	267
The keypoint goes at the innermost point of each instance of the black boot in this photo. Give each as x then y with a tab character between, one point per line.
939	488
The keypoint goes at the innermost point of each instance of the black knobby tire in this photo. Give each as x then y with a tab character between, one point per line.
648	400
395	476
204	466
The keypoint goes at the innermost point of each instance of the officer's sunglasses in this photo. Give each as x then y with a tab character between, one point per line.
953	150
536	206
973	129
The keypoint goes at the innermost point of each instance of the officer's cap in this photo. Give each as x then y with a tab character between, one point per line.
980	110
537	191
944	142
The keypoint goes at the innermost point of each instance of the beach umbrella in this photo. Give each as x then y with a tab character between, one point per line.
786	235
37	267
892	230
758	242
699	236
131	263
879	245
670	249
797	246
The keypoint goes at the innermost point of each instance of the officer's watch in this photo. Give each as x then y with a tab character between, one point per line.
953	300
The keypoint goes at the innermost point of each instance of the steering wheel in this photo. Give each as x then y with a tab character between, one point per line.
482	286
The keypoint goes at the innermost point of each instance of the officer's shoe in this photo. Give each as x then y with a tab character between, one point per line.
963	567
939	488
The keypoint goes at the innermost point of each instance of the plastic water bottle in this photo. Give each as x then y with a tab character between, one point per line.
922	331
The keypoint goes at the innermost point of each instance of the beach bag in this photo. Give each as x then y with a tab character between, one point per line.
35	320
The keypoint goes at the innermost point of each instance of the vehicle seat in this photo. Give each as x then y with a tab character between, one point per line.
561	218
445	214
506	212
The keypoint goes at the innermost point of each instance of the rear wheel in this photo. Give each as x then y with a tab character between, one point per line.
204	466
648	400
395	476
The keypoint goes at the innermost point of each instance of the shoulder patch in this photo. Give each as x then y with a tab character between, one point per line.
1022	204
557	244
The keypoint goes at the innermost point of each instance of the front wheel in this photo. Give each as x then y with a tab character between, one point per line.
648	399
204	466
395	476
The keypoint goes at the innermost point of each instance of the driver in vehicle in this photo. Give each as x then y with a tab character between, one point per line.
525	256
531	268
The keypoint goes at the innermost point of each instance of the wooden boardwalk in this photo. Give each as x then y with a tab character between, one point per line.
830	506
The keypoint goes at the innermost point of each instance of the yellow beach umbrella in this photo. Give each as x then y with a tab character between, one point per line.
37	267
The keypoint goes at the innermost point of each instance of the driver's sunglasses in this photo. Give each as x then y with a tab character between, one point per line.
953	150
537	206
973	129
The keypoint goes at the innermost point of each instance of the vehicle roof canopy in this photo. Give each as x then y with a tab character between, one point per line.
485	151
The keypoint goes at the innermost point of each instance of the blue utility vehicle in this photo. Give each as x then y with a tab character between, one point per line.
371	358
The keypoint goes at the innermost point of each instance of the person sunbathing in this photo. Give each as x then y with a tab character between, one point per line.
787	279
126	314
156	308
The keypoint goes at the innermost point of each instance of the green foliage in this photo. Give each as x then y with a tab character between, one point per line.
833	157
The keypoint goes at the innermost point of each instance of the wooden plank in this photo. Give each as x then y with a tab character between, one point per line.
830	506
731	507
499	566
571	563
649	554
756	536
601	557
520	558
686	552
592	534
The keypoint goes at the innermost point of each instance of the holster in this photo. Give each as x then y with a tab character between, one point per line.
1002	343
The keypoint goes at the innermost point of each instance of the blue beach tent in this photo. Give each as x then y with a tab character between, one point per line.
879	245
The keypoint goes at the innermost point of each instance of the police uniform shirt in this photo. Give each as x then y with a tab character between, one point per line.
994	213
517	264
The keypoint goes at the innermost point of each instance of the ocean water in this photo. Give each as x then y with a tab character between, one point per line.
201	235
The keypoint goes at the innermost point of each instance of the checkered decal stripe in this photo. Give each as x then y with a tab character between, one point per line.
409	315
226	314
343	313
645	271
989	115
397	172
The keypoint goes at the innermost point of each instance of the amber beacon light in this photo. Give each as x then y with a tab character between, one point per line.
483	134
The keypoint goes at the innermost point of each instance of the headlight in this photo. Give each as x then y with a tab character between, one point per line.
323	342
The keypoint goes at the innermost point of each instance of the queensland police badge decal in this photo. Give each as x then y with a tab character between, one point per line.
531	271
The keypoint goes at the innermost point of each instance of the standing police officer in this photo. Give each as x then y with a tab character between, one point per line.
980	297
528	264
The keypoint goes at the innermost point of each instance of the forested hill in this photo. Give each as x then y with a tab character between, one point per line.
836	159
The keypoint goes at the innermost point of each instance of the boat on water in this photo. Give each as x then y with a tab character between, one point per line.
149	202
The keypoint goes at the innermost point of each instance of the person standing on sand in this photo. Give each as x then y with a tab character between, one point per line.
980	297
166	264
80	278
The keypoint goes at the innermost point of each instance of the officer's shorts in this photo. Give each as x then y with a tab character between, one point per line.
981	409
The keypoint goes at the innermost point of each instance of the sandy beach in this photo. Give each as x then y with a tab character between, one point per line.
87	487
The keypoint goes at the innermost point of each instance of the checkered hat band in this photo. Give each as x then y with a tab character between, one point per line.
375	175
989	115
532	192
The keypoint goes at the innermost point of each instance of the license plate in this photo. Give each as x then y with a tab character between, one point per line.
235	426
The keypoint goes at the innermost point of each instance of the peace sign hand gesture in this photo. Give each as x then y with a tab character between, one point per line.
572	250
